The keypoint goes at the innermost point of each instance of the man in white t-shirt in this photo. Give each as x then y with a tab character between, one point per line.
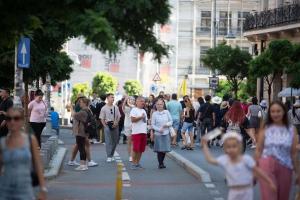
139	131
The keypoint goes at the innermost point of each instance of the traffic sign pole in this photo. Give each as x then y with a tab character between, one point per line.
18	82
22	60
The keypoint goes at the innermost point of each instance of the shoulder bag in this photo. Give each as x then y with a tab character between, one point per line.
34	177
171	129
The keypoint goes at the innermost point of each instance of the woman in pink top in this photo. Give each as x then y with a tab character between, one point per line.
37	110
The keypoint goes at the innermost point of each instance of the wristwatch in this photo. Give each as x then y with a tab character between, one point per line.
44	189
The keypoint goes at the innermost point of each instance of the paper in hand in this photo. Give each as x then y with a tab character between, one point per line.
213	134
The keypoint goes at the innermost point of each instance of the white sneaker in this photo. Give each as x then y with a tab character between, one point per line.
81	168
108	160
73	163
130	159
92	163
253	146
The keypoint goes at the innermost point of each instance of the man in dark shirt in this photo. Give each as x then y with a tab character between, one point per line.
101	105
5	104
207	116
95	107
184	98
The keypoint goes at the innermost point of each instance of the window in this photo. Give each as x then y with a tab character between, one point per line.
205	23
245	49
223	22
241	20
201	69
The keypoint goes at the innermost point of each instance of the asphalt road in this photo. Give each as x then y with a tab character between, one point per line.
216	173
99	182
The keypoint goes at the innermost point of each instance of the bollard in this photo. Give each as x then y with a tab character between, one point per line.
119	183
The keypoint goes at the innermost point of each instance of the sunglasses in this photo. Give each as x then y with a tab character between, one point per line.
14	118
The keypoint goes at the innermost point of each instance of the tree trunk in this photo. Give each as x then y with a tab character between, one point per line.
38	84
269	93
26	102
235	89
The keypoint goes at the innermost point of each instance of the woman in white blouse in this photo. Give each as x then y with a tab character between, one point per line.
161	122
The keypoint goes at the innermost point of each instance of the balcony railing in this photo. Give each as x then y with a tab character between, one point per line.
288	14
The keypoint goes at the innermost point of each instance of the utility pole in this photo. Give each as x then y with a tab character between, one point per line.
215	24
214	36
18	83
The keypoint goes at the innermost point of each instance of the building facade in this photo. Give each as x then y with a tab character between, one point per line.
190	33
276	19
88	61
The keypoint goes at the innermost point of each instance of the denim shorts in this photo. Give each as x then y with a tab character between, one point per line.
187	127
176	123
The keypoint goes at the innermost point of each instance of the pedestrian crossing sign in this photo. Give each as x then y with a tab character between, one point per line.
156	77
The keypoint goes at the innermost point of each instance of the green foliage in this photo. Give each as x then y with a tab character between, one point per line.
104	83
133	87
224	88
230	62
272	62
106	24
294	68
80	88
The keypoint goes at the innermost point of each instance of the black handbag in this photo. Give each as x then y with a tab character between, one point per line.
110	124
34	177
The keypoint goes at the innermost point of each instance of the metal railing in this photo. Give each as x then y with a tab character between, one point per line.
283	15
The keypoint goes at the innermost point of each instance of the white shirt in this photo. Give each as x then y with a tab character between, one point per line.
237	174
139	127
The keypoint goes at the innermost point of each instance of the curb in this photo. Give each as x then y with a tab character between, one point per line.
66	127
190	167
55	163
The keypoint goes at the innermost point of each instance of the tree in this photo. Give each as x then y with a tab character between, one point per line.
133	87
80	88
104	83
294	68
105	24
272	62
224	88
230	62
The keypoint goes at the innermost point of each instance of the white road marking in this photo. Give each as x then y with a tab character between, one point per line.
218	198
209	185
125	176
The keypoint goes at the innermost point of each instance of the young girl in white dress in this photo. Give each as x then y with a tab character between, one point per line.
239	168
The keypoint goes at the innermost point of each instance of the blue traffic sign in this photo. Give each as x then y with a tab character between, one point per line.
23	56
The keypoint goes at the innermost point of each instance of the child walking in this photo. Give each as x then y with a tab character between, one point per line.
239	168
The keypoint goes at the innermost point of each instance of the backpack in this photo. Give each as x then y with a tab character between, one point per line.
90	125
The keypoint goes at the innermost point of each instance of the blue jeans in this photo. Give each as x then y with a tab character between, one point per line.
57	130
187	127
176	124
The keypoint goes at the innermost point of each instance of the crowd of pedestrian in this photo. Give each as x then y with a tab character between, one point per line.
268	130
165	123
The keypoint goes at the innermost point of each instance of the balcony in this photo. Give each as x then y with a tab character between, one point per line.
281	16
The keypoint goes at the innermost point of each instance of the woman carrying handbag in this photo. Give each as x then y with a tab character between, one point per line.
161	122
19	155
